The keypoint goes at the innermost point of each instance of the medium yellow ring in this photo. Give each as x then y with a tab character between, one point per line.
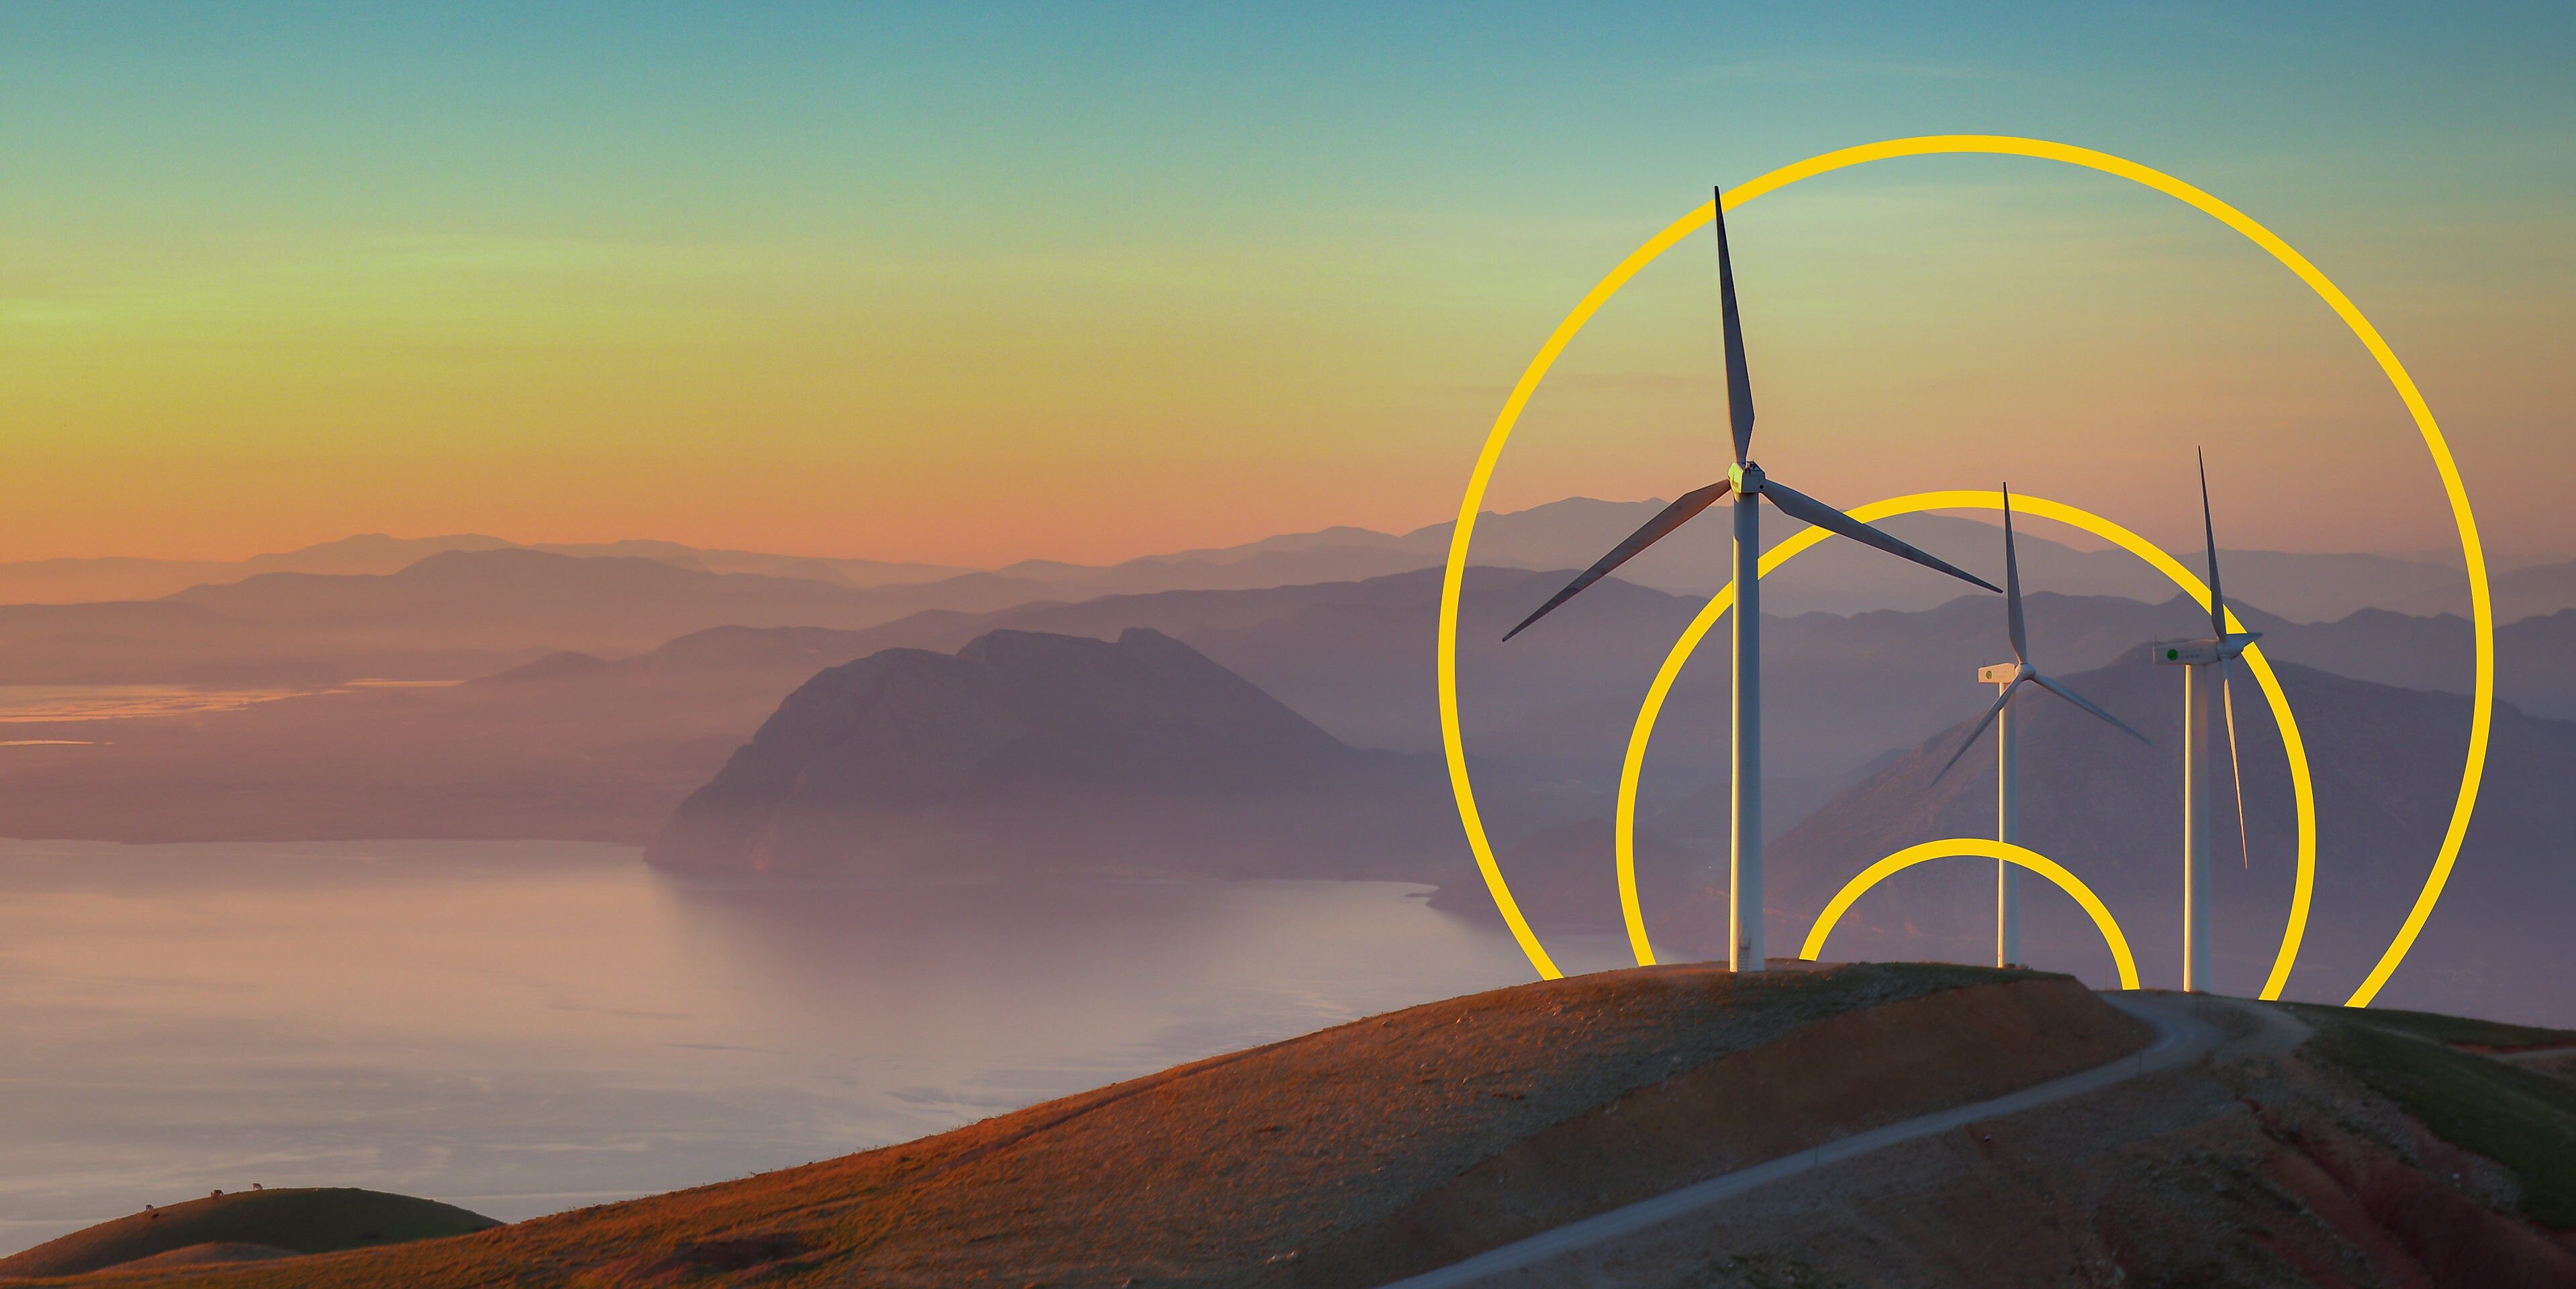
1977	847
2302	789
2473	553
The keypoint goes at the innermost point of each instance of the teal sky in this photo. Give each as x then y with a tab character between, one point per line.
808	276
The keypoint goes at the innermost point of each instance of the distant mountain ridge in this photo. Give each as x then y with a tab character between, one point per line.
453	614
87	580
1564	534
1029	754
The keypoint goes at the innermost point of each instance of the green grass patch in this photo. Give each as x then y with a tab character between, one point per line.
2520	1119
2444	1029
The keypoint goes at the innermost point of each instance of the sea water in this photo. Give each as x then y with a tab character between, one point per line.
523	1027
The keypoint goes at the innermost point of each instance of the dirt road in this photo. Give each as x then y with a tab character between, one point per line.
2181	1036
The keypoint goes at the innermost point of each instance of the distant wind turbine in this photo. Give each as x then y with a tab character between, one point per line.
1747	483
2009	677
2196	657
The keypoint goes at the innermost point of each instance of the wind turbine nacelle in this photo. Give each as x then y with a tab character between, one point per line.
2198	653
2001	673
2187	653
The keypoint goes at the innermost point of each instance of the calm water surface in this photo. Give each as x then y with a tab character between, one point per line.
25	704
521	1027
33	704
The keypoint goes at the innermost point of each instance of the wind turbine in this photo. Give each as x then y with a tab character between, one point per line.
2197	658
2008	677
1748	484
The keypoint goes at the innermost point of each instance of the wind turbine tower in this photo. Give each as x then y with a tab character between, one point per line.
1748	484
2008	677
2199	659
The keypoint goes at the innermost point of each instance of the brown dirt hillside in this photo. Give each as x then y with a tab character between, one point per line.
1317	1160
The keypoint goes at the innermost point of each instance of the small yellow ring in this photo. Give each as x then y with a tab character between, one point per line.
1977	847
2302	789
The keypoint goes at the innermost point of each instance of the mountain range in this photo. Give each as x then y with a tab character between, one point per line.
595	745
448	608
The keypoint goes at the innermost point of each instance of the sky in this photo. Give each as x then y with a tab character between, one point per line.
970	284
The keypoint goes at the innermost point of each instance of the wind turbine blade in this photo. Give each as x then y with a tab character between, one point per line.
1671	517
2209	533
2087	704
1739	382
2012	587
1798	505
1988	719
2235	768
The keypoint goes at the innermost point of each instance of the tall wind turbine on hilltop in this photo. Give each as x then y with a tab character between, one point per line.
1749	485
2008	677
2197	658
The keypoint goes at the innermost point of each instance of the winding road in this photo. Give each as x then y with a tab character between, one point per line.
2181	1037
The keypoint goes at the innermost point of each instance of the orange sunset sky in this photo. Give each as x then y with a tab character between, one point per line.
957	288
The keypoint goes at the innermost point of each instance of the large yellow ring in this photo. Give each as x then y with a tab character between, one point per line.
1977	846
2301	787
2473	554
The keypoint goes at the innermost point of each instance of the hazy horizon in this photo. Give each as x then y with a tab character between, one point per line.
1774	528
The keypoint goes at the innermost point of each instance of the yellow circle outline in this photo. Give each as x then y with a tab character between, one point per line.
1976	847
2473	554
2302	788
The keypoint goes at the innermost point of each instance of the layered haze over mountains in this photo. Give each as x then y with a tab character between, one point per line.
1268	710
1564	534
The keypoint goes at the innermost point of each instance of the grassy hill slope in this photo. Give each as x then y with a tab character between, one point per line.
2315	1146
2520	1118
1389	1144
